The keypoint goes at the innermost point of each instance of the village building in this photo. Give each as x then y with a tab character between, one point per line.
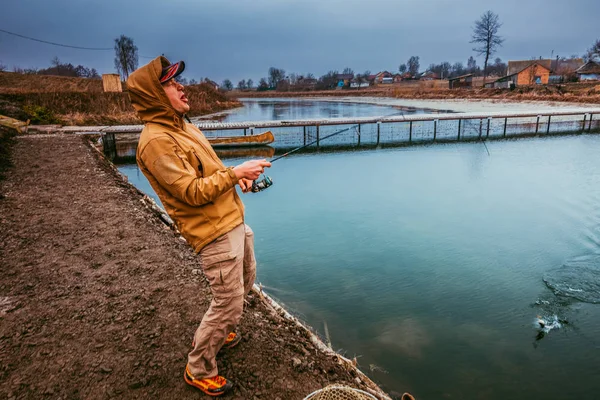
429	76
463	81
560	69
384	77
359	82
535	73
305	83
343	80
214	84
590	71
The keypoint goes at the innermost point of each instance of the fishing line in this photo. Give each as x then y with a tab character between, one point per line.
266	182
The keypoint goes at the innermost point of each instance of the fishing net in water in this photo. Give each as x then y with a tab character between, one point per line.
338	392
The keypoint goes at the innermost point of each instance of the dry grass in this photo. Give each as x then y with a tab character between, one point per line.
80	101
12	82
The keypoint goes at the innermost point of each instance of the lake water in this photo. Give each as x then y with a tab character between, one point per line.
428	263
278	109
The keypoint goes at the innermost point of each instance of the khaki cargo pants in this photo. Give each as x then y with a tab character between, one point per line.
230	267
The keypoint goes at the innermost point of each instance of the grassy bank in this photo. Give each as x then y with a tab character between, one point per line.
79	101
572	92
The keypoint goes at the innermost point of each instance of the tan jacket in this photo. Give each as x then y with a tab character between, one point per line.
196	189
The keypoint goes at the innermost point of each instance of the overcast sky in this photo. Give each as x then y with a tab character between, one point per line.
242	39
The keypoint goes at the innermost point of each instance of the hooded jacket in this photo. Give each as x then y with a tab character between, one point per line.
196	189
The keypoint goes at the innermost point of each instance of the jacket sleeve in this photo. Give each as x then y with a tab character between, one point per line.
170	167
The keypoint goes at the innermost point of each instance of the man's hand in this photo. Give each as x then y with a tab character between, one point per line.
251	169
245	185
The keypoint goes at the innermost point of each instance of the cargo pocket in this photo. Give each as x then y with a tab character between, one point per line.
224	272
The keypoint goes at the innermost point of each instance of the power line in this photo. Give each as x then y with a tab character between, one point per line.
57	44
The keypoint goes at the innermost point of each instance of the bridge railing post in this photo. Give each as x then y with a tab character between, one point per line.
318	136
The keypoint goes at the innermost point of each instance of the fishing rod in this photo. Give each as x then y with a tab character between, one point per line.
266	182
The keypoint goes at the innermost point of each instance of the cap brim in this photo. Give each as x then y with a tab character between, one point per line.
172	71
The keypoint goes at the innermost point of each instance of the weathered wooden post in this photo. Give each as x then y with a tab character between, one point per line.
434	129
378	131
318	137
358	134
459	124
251	131
584	120
410	132
548	128
244	131
590	127
505	122
304	129
489	120
537	124
109	145
480	127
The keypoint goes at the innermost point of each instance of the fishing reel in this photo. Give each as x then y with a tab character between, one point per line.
259	186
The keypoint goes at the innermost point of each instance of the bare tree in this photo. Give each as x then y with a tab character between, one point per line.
593	52
262	85
413	65
485	35
402	68
249	83
242	85
348	71
3	67
275	75
533	70
126	56
227	85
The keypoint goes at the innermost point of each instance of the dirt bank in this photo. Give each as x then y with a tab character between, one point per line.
81	101
99	299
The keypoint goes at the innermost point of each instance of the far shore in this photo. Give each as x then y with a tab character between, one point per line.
580	93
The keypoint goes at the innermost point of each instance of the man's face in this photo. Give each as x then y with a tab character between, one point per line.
174	92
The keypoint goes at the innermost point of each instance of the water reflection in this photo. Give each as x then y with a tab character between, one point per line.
288	109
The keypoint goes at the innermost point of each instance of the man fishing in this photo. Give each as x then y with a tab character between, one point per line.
198	192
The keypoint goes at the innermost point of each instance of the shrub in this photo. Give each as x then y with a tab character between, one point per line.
40	115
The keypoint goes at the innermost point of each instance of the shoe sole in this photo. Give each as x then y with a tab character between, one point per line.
191	383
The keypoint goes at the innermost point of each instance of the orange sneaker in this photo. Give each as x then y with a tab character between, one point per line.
232	340
214	386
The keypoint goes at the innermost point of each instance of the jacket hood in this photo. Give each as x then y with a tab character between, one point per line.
148	96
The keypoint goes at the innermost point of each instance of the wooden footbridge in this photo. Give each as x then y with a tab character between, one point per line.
392	130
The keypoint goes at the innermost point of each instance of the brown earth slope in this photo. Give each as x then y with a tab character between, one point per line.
98	299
